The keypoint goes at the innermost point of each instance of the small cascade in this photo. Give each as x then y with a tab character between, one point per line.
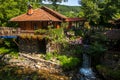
86	71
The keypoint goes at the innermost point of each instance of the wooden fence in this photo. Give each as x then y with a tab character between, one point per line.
9	31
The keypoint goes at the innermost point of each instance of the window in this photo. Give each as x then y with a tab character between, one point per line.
35	27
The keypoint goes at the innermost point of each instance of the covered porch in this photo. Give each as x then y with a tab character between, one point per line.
75	22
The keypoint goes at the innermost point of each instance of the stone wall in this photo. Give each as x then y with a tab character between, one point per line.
53	47
37	46
31	46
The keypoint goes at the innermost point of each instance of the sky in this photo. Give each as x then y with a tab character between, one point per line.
69	3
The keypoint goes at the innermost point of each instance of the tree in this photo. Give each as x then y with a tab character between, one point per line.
54	3
108	10
11	8
100	11
90	9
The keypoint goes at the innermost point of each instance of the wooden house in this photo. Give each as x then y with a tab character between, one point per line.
75	22
39	18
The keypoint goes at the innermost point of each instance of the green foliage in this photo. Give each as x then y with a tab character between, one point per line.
103	69
40	31
100	11
116	16
69	11
108	72
96	49
49	56
68	62
9	43
4	50
9	47
115	74
54	3
81	14
11	8
79	32
12	52
99	37
90	9
56	35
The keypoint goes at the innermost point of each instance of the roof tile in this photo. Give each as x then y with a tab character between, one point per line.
40	14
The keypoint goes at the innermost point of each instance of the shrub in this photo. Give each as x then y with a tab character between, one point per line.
115	74
68	62
56	34
49	56
4	50
41	31
96	49
108	73
12	52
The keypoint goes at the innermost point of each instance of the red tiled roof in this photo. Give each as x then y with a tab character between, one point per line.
74	19
40	14
58	15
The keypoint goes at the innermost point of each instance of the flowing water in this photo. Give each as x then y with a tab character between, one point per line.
86	71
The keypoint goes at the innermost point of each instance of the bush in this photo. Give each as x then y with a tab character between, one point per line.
108	73
68	62
12	52
49	56
4	50
9	43
96	49
56	34
41	31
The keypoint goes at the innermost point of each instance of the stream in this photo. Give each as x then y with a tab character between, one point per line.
86	70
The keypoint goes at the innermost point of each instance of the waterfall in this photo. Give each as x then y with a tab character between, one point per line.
86	71
86	61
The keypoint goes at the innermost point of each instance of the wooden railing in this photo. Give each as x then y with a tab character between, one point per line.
26	31
5	31
9	31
